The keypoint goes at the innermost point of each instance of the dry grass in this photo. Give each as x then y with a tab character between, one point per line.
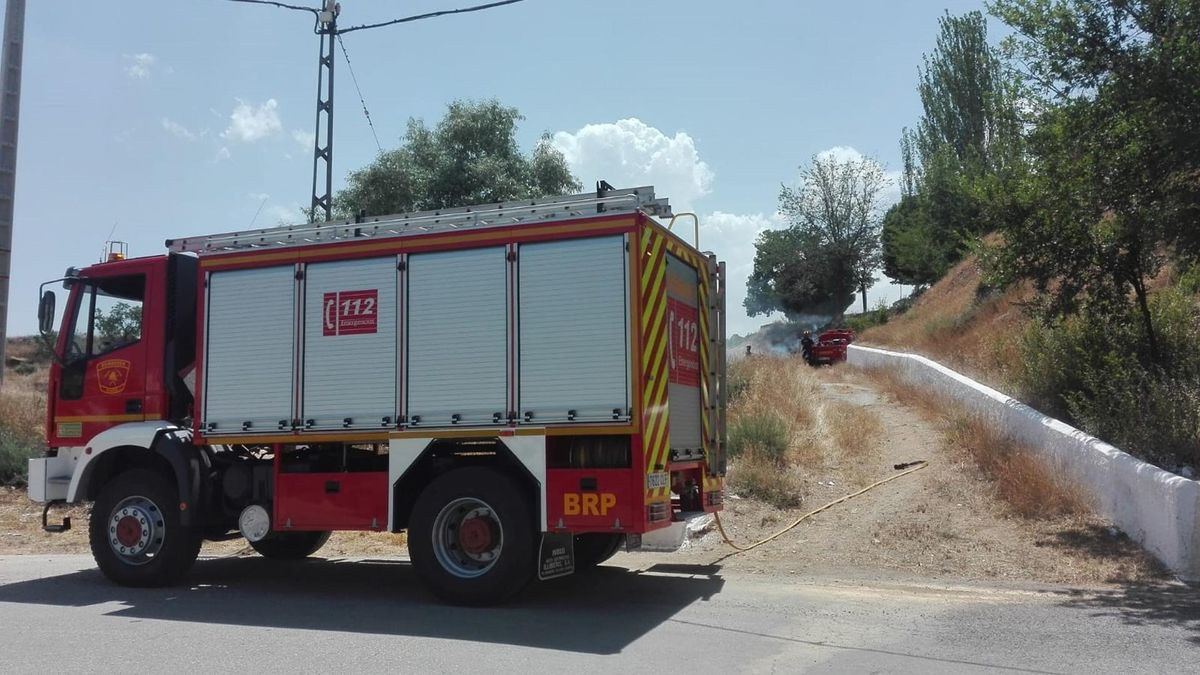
823	437
951	323
22	420
1027	486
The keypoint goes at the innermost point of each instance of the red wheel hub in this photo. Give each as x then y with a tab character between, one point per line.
475	536
129	531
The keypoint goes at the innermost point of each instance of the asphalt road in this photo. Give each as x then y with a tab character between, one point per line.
253	615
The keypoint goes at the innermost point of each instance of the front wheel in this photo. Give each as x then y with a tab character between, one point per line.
290	545
135	531
471	537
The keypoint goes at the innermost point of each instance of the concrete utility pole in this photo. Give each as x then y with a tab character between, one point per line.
10	111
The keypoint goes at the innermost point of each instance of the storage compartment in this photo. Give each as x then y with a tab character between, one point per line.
574	331
248	383
457	348
331	501
598	500
683	360
332	486
350	314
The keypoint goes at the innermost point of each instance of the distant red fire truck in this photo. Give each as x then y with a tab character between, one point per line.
523	387
830	346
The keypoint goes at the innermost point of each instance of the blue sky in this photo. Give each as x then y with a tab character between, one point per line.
167	119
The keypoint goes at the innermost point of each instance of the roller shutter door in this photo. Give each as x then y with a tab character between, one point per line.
350	344
683	360
249	350
573	330
457	337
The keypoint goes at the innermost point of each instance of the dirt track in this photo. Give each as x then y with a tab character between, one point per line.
942	522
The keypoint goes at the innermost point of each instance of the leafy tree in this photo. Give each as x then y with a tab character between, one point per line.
470	157
121	325
793	274
911	253
969	134
831	247
966	96
1117	150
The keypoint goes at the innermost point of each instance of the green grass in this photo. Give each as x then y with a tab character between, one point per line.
761	432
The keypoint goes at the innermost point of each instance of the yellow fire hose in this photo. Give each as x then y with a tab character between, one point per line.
916	466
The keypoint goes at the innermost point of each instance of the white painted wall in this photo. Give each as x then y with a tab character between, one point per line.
1158	509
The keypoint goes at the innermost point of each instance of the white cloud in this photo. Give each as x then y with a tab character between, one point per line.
259	196
282	215
178	130
629	152
222	154
139	65
248	123
842	153
304	138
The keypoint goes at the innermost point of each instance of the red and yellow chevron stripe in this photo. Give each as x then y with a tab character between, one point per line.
653	289
712	483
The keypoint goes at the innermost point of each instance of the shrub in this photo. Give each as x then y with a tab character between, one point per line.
22	416
1094	372
756	475
15	451
763	433
737	380
860	322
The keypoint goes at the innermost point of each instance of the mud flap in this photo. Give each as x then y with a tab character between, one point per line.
556	558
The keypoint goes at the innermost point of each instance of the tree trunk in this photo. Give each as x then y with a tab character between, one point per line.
1139	288
863	287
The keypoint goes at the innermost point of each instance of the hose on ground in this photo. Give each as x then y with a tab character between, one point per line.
916	466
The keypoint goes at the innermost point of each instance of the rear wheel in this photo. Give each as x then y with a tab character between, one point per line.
135	531
595	547
471	537
290	545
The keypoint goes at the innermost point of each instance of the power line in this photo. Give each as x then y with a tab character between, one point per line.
362	100
430	15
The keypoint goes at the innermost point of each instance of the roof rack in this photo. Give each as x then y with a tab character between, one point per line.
503	214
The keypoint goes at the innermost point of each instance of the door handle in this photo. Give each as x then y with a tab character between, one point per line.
133	405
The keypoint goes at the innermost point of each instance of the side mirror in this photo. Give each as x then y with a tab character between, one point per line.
46	313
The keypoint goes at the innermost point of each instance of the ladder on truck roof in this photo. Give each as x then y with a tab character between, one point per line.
503	214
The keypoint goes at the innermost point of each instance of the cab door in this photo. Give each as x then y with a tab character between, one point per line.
106	348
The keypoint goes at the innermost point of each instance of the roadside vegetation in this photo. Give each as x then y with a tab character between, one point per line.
1025	485
22	410
1049	198
783	432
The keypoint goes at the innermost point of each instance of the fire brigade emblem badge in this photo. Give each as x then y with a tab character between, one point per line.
112	375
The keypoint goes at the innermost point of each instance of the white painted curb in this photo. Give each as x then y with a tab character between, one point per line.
1159	510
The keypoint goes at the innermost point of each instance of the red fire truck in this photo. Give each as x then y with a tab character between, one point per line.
523	387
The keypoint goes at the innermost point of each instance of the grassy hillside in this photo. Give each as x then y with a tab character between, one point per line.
955	322
1088	373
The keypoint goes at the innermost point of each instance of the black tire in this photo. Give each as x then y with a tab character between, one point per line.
159	550
501	514
594	548
290	545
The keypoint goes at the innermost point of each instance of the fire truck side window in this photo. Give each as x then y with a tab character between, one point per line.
117	313
108	317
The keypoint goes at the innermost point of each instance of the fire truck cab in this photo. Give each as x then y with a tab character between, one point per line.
524	388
